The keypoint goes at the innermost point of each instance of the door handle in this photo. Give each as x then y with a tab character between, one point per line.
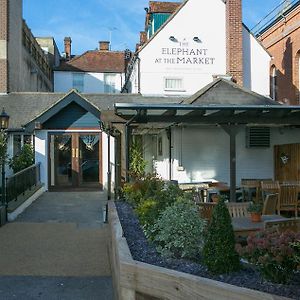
77	153
73	152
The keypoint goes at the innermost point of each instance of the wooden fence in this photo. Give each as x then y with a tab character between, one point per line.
136	280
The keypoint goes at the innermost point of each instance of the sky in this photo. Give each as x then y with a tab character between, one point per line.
120	21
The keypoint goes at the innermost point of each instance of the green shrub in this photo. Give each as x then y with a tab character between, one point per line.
219	254
22	160
137	161
179	231
275	254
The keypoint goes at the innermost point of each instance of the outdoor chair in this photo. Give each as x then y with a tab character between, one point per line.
269	187
283	225
288	199
251	188
206	210
237	210
270	204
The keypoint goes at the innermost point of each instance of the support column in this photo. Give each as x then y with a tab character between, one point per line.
127	149
232	131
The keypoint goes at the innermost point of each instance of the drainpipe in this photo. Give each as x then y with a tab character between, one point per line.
169	135
108	169
127	144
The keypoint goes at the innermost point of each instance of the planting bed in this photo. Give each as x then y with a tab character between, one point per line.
142	251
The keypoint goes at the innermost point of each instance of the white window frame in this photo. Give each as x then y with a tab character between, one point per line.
109	85
175	89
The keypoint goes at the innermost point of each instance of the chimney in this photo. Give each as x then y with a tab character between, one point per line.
143	37
68	43
104	46
234	40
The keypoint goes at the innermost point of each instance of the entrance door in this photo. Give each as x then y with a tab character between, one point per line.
74	160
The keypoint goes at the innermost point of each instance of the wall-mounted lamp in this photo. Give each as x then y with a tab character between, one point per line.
173	39
196	39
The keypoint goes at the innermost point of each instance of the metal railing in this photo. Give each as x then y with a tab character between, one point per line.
19	183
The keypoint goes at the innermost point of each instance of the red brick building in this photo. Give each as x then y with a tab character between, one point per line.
281	37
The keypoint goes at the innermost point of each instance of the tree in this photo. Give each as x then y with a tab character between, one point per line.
22	160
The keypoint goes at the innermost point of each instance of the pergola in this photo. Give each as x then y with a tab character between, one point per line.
228	117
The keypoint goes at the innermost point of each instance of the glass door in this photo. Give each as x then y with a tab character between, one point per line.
74	160
61	160
89	159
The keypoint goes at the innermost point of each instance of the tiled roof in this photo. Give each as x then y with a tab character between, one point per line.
95	61
163	7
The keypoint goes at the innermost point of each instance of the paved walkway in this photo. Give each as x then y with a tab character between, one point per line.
57	249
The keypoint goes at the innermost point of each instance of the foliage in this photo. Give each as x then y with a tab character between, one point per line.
137	161
255	207
3	146
179	231
277	255
22	160
219	254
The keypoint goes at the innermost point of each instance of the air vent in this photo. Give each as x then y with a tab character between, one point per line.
258	137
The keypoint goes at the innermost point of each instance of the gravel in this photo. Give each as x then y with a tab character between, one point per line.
143	251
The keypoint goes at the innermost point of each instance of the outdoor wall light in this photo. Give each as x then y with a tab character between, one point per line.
197	40
173	39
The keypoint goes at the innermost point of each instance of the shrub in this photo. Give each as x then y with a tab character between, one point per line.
276	254
219	254
137	161
22	160
179	231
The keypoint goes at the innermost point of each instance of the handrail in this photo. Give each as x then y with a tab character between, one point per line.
21	182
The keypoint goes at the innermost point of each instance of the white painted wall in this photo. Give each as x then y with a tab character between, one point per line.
203	152
41	154
93	82
256	61
193	20
105	160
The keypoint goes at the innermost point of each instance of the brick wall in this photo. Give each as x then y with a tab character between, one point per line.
234	40
3	45
283	42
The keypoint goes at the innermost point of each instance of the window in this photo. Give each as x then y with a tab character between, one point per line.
173	84
78	82
110	83
273	83
19	140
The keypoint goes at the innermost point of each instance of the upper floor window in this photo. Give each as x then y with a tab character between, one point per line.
273	83
173	84
78	81
110	83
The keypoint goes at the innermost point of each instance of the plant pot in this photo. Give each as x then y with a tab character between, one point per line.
215	198
255	217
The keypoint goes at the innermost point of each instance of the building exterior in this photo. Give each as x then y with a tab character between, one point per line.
280	36
23	64
183	52
97	71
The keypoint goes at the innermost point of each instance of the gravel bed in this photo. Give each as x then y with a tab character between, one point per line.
143	251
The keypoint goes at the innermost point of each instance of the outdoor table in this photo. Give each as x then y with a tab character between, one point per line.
243	226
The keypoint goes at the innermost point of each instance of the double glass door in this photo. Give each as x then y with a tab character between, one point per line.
75	160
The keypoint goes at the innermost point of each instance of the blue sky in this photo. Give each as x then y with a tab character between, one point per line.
89	21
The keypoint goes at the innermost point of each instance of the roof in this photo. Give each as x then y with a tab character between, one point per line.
163	7
24	107
222	91
95	61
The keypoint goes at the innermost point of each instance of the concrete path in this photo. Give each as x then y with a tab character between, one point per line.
57	249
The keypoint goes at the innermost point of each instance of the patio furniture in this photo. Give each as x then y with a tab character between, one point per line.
270	204
269	187
206	210
288	199
238	209
283	225
199	189
251	188
243	226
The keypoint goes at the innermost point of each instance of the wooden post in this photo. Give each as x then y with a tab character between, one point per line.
232	130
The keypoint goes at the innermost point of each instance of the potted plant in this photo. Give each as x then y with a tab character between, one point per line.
255	210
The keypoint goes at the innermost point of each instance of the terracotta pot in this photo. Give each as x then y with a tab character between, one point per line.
255	217
215	198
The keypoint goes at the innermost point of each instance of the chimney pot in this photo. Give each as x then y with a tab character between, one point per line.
68	43
104	46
